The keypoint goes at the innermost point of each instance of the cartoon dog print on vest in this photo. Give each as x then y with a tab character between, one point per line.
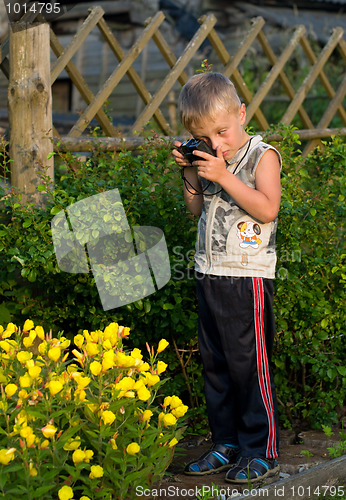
248	234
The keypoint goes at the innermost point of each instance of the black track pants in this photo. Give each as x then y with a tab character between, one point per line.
236	332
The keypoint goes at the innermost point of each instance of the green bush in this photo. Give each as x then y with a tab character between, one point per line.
310	345
309	350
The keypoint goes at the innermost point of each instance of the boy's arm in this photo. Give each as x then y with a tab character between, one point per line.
193	201
263	202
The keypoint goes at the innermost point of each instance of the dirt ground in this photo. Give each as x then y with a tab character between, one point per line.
177	486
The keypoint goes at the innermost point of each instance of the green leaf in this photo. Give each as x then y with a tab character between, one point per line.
5	315
32	276
167	306
324	322
27	223
41	187
55	210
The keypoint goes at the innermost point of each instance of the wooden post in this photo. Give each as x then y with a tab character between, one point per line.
30	109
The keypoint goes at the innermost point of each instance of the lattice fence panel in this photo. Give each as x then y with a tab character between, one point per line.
231	64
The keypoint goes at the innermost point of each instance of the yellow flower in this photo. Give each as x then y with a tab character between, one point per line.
80	395
22	394
83	382
28	325
54	387
39	332
139	384
42	348
175	402
3	378
143	394
121	359
88	455
147	414
180	411
48	431
28	341
124	385
26	431
96	471
54	353
78	340
10	389
133	448
64	343
92	349
95	336
86	335
136	353
6	455
24	356
108	360
34	371
78	456
162	345
84	498
108	417
169	420
144	367
167	401
79	356
30	439
161	367
5	346
95	368
65	493
107	345
151	379
25	380
72	444
172	442
125	331
11	328
113	444
111	332
33	471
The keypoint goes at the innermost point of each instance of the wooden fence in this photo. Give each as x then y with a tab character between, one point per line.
38	100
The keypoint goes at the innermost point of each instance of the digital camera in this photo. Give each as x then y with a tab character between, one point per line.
190	145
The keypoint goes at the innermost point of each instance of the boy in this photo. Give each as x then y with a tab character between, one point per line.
237	196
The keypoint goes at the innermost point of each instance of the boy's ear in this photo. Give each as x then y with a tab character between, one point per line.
242	113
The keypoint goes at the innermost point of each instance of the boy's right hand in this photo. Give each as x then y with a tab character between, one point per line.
179	157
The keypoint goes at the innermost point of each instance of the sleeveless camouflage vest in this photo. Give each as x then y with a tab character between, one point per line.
230	242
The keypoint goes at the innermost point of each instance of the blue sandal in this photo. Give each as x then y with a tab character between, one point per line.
252	470
217	459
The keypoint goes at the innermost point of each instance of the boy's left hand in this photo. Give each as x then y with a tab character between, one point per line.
212	168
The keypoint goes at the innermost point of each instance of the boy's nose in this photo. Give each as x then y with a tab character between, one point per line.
214	143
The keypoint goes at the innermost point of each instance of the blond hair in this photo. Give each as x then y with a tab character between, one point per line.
204	95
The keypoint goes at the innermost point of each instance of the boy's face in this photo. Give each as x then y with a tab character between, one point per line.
225	131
